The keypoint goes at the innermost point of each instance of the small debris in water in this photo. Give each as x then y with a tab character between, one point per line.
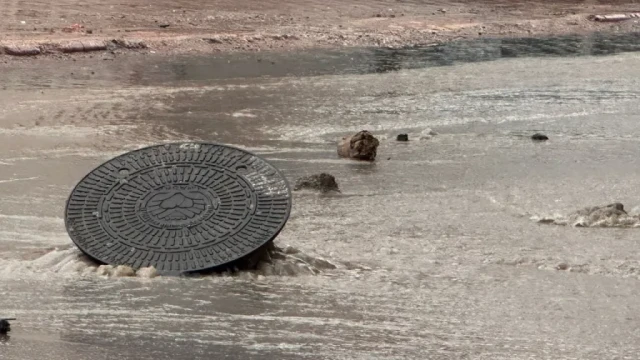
402	137
546	220
427	134
321	182
539	137
5	326
618	207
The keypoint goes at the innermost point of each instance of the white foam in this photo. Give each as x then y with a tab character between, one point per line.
70	262
607	267
240	114
601	217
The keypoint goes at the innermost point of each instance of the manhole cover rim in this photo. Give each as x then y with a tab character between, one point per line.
233	259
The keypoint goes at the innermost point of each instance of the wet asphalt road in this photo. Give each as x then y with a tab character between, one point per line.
437	254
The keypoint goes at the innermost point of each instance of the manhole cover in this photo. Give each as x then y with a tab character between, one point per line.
178	207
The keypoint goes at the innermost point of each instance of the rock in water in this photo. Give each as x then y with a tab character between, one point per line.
539	137
607	210
262	255
602	216
321	182
402	137
617	206
361	146
612	215
5	327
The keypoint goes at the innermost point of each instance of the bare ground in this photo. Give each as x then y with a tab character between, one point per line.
189	26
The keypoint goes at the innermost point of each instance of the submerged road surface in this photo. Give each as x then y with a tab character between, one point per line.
436	249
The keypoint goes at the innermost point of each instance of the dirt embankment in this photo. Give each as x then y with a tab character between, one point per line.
188	26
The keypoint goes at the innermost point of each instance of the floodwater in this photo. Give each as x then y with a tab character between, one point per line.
437	250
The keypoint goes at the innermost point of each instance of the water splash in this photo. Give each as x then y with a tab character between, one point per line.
70	262
607	216
621	268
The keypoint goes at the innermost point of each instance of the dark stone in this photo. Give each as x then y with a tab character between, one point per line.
617	206
263	254
598	212
539	137
5	327
321	182
402	137
164	26
361	146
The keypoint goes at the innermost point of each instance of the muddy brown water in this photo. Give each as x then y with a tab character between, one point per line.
436	251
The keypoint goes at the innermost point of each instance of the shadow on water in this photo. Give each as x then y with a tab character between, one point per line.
156	70
377	60
385	60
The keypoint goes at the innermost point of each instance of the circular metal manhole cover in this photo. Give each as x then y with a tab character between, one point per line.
178	207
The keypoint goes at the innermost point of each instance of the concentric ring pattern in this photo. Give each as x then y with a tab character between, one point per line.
178	207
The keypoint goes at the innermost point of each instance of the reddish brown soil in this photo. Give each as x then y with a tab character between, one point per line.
255	25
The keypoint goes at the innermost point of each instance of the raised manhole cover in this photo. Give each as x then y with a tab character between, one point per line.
178	207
